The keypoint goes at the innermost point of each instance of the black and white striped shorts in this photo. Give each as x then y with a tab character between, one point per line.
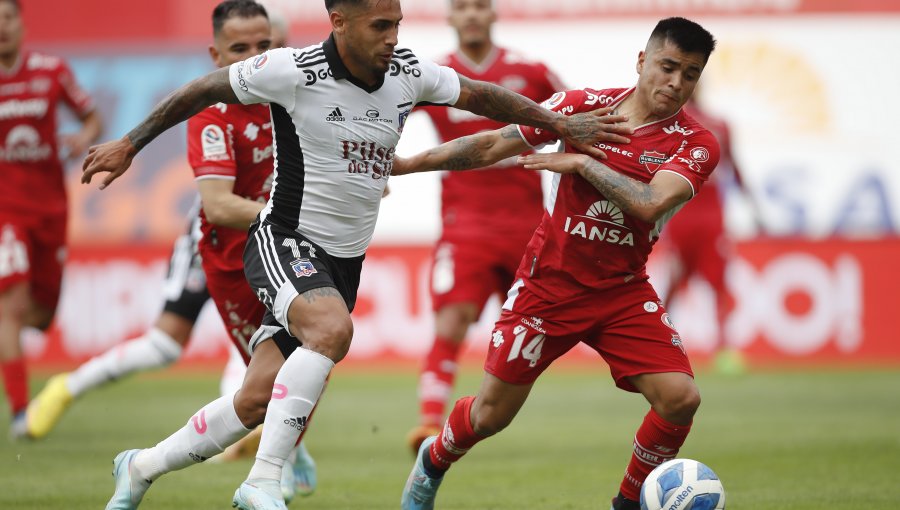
280	264
185	284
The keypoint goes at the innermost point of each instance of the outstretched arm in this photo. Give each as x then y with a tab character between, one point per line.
580	130
115	157
473	151
644	201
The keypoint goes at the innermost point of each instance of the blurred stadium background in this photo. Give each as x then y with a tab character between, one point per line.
805	84
809	89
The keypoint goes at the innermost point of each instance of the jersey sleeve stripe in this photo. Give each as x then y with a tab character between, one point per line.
311	64
693	191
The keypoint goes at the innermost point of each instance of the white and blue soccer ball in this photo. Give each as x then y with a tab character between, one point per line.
682	484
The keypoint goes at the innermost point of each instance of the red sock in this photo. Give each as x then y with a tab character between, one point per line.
436	380
456	438
15	380
656	441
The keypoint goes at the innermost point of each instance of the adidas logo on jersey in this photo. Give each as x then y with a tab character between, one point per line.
298	423
335	116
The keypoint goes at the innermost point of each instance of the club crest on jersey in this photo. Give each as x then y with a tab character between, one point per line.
652	160
303	268
402	120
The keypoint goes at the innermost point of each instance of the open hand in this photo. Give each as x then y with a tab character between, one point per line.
559	162
111	157
583	130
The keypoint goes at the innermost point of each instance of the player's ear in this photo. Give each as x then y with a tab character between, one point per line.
214	55
640	62
338	22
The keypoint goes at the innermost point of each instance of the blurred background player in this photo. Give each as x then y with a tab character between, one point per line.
34	207
234	179
698	243
488	216
186	294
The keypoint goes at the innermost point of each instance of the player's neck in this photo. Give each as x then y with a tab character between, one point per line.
477	53
638	114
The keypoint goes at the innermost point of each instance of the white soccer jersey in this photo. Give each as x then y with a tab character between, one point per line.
335	137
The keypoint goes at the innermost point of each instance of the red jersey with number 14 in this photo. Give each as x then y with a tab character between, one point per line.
32	175
490	200
585	242
231	142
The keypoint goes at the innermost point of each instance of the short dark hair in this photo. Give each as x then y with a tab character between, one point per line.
231	8
687	35
331	4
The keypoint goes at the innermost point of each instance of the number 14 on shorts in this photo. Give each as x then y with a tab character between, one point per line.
531	351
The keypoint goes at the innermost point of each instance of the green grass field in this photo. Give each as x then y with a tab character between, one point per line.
801	440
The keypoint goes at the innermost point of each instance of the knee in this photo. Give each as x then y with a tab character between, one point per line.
331	337
452	321
680	405
250	405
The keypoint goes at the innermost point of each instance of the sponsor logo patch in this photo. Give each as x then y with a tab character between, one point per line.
651	307
554	101
212	140
700	154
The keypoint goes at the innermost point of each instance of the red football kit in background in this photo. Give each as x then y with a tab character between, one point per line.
583	275
33	211
232	142
697	234
488	215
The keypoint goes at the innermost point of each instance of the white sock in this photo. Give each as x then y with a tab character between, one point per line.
233	375
298	386
207	433
155	349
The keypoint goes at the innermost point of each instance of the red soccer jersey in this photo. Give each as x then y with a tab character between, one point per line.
494	199
32	179
231	142
586	242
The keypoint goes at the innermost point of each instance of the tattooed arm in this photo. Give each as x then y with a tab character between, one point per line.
644	201
580	130
473	151
115	157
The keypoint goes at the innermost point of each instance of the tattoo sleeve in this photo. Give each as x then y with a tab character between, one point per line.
475	151
503	105
630	195
183	104
312	295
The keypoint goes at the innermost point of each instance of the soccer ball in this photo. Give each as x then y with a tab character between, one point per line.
682	484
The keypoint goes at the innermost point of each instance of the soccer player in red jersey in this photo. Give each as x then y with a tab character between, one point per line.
697	239
34	209
471	261
583	277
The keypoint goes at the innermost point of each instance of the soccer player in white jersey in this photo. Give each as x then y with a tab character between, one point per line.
583	276
338	109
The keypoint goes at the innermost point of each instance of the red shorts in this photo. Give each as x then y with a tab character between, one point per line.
33	250
626	325
240	309
471	270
